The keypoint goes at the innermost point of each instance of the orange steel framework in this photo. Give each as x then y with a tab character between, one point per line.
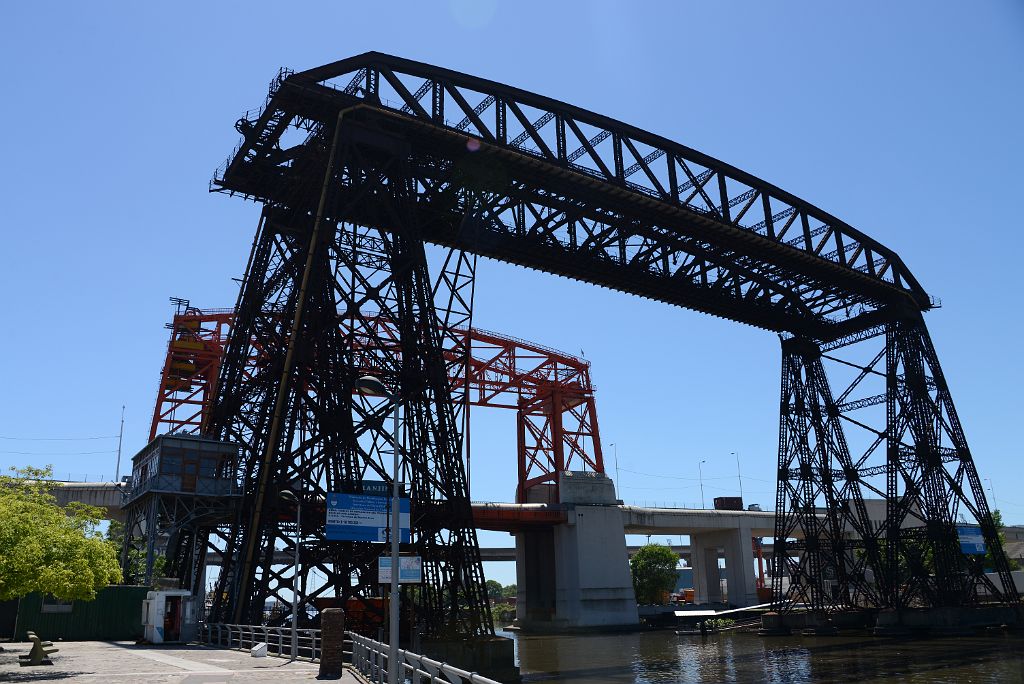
551	392
190	368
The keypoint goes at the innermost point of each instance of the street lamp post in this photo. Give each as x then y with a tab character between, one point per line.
992	491
371	386
700	477
291	497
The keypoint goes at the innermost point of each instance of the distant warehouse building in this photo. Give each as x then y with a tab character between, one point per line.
1014	547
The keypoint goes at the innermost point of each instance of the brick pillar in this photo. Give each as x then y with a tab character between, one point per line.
332	634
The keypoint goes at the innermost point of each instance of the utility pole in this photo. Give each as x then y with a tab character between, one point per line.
395	673
120	437
738	475
700	476
372	386
615	446
992	491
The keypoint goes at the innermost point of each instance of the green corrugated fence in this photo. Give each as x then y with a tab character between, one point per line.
115	615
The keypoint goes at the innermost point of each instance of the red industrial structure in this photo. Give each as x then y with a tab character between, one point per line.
190	369
551	392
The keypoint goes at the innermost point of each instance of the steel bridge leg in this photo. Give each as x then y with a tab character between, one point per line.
820	514
933	486
914	457
314	313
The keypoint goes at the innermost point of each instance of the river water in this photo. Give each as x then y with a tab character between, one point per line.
662	656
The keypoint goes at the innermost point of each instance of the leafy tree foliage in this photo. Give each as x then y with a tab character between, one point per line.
654	572
503	612
47	548
136	557
494	589
496	592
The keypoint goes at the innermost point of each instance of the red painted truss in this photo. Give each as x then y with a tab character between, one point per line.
190	368
551	392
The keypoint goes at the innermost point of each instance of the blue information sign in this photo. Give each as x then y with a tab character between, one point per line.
972	541
366	516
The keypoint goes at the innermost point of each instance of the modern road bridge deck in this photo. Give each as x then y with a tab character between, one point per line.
640	520
501	553
509	517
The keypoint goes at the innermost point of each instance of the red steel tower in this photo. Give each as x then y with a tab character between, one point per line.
551	392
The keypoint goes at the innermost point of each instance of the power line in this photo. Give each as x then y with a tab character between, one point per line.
55	439
693	479
58	453
661	489
675	477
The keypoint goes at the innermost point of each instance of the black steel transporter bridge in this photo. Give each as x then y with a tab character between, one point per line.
359	163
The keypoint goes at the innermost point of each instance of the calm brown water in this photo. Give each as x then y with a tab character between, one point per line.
654	657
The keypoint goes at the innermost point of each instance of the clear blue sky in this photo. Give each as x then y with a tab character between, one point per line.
904	119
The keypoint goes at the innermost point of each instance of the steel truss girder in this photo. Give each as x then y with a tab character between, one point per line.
914	456
324	283
585	196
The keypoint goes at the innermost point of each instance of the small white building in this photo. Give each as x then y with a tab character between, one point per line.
168	615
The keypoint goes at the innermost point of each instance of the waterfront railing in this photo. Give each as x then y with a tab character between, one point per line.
370	658
277	639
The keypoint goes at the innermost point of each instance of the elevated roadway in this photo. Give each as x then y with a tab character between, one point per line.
501	553
506	517
714	534
106	495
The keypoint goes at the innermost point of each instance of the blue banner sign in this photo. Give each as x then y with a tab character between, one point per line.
972	541
364	517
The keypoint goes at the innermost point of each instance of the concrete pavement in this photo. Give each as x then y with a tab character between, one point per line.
124	663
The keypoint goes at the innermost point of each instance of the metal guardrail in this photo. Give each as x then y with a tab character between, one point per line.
277	639
370	658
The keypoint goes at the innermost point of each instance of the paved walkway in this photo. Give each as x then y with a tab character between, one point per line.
124	662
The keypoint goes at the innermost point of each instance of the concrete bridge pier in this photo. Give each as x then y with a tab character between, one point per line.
739	566
575	574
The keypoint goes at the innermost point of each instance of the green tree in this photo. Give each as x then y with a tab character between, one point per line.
494	590
654	572
136	557
48	548
509	591
997	519
503	612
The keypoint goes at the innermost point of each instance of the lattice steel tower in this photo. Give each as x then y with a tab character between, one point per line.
309	311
